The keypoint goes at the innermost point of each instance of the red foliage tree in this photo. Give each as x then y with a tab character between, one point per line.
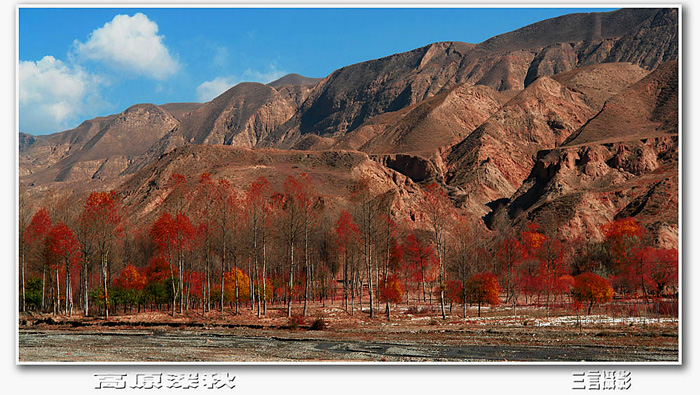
421	260
549	255
623	237
65	249
483	288
509	255
259	212
38	228
455	292
101	223
172	237
205	206
35	238
653	269
157	270
347	238
591	288
228	218
391	290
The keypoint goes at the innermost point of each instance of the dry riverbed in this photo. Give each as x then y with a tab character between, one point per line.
496	337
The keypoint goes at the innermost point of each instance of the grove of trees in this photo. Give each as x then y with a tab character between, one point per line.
210	247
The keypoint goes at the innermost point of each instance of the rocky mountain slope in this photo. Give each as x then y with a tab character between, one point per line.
569	122
622	162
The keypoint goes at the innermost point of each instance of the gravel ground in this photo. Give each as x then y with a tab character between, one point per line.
410	339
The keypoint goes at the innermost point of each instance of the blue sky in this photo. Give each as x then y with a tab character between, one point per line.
79	63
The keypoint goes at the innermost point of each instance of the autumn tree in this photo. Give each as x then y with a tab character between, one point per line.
483	288
35	237
130	283
508	256
623	237
421	260
259	215
591	288
204	200
466	259
173	237
368	208
227	208
549	254
102	217
389	242
654	269
390	291
299	207
347	238
438	209
65	250
24	218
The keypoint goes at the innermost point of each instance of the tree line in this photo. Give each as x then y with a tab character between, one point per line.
212	248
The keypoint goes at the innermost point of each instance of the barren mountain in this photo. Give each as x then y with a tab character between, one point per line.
573	118
622	163
101	148
241	116
352	95
646	109
493	161
336	173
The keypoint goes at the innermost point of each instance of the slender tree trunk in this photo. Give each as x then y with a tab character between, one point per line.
85	289
441	277
104	283
69	291
464	298
24	298
264	276
291	278
223	275
43	287
306	264
346	280
255	269
235	280
57	303
369	278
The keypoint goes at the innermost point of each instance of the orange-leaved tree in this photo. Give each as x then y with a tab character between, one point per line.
592	288
483	288
391	290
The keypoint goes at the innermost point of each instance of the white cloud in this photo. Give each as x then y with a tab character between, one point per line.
211	89
52	95
132	44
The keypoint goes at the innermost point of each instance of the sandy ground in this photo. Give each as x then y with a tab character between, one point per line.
422	336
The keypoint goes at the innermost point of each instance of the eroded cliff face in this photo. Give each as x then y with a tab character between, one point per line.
578	189
622	163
